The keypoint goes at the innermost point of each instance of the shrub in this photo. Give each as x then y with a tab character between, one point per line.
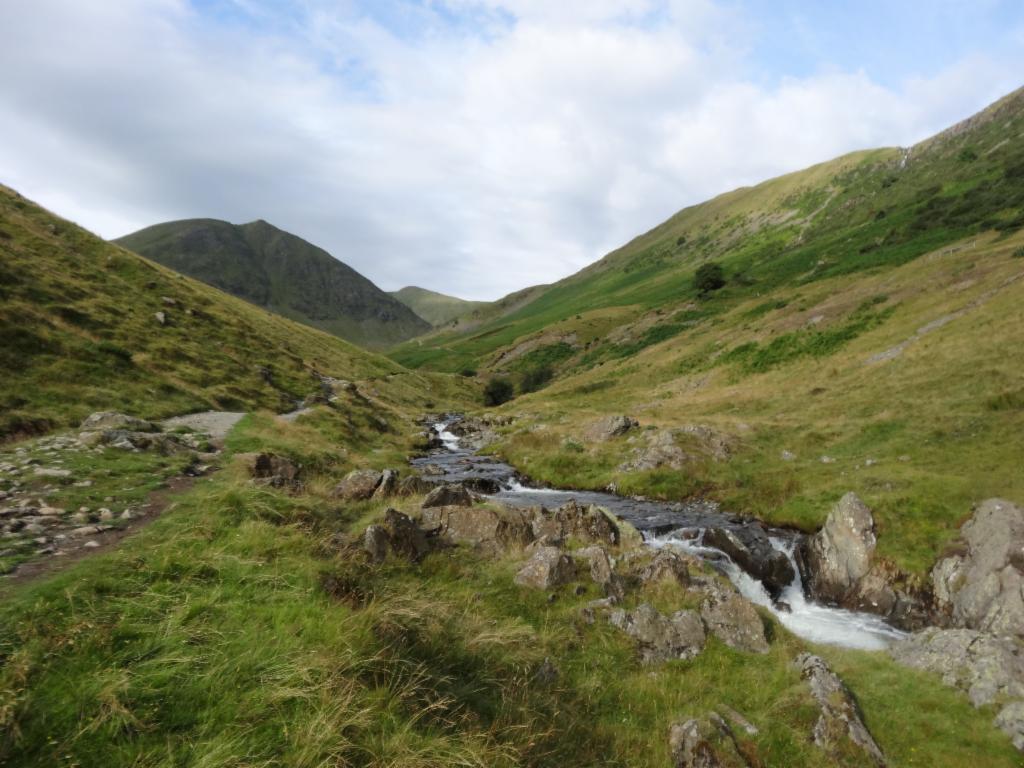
535	378
709	277
498	391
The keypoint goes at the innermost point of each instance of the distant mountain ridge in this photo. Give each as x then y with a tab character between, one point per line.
281	272
436	308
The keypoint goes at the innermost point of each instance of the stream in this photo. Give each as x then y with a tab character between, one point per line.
679	525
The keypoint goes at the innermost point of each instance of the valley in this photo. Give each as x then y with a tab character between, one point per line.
745	492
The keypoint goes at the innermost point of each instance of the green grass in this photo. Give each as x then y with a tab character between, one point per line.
78	334
237	631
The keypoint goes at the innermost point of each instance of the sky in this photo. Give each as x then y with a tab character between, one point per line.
472	147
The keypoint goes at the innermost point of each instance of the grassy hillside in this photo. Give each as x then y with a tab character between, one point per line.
871	210
283	273
869	337
79	333
436	308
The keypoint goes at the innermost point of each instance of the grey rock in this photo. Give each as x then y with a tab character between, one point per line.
988	668
376	543
661	638
104	420
611	427
405	538
548	568
666	567
706	742
750	548
587	524
274	470
502	529
733	619
840	720
161	317
51	472
839	555
388	484
982	585
358	485
659	451
600	563
1010	720
450	495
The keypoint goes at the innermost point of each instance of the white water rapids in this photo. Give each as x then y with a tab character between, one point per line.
812	621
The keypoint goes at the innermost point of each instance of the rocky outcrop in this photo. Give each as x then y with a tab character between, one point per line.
271	469
610	427
388	485
104	420
450	495
667	567
839	555
357	485
661	638
750	548
989	669
981	584
660	451
706	742
548	568
733	619
397	534
502	529
839	725
586	524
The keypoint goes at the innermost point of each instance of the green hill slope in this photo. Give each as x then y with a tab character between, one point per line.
281	272
79	332
436	308
871	210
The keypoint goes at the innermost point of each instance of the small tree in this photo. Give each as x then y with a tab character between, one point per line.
535	378
498	391
709	277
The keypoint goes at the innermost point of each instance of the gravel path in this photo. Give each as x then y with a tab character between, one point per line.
216	424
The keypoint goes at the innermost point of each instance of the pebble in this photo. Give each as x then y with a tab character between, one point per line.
91	544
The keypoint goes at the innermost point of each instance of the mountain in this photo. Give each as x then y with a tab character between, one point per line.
867	337
280	272
436	308
80	332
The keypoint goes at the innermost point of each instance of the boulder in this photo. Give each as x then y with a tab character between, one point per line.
405	538
734	620
988	668
548	568
388	484
413	485
601	566
981	586
1010	721
838	556
274	470
839	725
104	420
587	524
706	742
661	638
166	444
610	427
358	485
503	528
749	547
449	495
376	543
666	567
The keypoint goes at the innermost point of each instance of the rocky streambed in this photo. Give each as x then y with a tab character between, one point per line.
761	561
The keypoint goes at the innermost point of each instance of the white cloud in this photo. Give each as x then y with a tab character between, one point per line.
471	164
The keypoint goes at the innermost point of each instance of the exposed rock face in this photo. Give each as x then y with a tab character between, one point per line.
667	566
610	427
989	668
451	495
733	619
548	568
751	550
388	484
588	524
707	742
396	534
358	485
601	566
840	719
274	470
105	420
505	528
839	555
660	451
661	638
982	586
376	543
